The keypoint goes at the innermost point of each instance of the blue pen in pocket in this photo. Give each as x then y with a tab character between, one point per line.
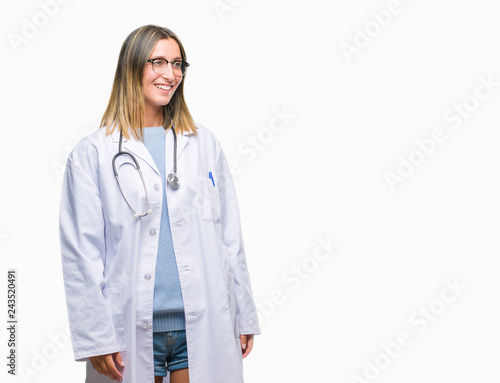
211	177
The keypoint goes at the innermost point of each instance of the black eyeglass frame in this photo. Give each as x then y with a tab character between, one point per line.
183	63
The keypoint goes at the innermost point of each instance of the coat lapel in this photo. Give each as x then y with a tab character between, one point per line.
139	149
182	140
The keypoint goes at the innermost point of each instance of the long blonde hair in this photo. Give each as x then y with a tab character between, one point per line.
126	107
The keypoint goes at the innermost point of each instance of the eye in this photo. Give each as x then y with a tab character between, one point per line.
177	64
158	63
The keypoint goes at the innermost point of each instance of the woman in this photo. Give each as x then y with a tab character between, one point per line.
153	259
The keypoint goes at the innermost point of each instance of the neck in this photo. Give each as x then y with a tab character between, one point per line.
153	117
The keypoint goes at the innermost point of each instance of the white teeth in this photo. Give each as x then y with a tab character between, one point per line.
164	87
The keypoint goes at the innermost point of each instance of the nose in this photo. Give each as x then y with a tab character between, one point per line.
169	73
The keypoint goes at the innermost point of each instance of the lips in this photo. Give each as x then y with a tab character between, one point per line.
163	87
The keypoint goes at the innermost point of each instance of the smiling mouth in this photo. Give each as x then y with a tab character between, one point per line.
163	87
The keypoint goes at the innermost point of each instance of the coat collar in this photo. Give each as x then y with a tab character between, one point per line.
139	149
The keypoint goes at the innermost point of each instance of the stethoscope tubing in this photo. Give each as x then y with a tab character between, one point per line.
172	177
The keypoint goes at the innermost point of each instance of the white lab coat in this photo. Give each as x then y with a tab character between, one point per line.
109	257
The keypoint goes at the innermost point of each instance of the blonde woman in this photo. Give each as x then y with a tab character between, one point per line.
154	265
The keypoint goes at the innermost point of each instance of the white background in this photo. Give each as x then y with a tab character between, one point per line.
355	118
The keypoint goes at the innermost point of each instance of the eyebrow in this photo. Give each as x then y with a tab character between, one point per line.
162	57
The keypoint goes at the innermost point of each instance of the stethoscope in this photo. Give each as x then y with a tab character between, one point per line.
172	178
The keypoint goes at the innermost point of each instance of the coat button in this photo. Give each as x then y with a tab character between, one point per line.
145	325
157	187
152	232
147	277
186	268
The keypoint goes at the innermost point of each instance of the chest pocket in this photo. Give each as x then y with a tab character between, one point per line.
209	199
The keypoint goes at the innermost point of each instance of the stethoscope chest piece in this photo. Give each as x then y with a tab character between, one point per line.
173	180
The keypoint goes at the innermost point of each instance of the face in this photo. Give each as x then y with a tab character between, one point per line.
158	89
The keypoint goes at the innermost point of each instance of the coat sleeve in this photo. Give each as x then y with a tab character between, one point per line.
246	310
82	238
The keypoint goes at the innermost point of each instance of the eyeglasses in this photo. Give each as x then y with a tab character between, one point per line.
160	66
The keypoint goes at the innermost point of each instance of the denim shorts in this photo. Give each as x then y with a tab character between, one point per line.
170	351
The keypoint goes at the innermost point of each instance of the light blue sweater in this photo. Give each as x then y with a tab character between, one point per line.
168	307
